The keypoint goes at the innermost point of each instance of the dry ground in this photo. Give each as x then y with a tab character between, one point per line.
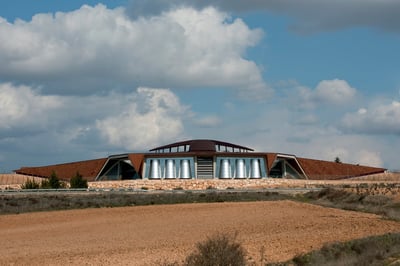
147	235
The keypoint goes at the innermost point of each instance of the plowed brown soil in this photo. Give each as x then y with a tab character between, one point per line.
149	235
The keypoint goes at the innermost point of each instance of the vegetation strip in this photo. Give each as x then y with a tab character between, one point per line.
374	250
365	202
19	203
64	199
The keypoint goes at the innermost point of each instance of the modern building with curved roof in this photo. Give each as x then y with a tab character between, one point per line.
202	159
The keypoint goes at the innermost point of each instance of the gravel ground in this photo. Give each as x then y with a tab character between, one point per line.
150	235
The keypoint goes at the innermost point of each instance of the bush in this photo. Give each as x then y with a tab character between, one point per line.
30	184
78	182
52	183
220	249
45	184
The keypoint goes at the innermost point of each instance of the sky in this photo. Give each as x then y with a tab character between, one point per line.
86	79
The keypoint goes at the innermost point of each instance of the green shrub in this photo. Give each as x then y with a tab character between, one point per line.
30	184
45	184
220	249
78	181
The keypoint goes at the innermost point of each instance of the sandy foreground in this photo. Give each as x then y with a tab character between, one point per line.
150	235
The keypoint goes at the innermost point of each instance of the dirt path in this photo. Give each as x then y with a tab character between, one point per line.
147	235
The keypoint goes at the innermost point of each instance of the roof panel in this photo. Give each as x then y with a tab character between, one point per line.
88	169
201	145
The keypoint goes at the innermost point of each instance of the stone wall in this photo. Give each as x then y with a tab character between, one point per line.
197	184
12	181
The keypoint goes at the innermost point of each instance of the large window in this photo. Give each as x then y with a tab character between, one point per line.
283	168
169	168
240	167
118	169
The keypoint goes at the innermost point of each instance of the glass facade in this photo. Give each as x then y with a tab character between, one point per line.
282	168
169	168
240	167
118	169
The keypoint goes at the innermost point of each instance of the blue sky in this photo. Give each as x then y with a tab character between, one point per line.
86	79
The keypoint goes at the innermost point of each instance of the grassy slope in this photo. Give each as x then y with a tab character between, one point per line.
376	250
365	202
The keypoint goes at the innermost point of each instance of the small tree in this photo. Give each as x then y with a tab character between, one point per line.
30	184
78	181
52	182
337	160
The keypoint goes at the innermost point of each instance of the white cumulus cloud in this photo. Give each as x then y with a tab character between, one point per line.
327	92
334	91
22	106
131	121
150	117
383	118
94	48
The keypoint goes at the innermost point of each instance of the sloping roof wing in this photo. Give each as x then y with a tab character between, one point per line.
318	169
88	169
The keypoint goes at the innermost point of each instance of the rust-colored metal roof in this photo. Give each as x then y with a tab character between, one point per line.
88	169
137	161
270	160
324	170
202	145
314	169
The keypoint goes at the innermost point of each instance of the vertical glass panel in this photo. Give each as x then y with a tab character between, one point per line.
225	169
155	171
185	169
255	168
240	167
170	170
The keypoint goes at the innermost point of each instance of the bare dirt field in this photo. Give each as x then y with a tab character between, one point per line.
150	235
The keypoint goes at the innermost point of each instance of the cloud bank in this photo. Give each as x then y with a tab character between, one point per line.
381	119
334	92
132	121
308	16
93	49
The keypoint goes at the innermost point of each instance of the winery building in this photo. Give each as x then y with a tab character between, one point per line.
202	159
